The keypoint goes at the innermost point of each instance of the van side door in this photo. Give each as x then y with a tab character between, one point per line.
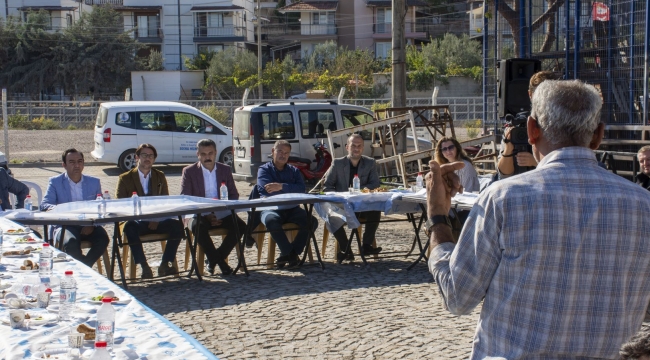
274	125
191	128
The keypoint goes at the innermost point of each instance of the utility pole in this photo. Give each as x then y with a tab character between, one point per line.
398	76
180	47
259	51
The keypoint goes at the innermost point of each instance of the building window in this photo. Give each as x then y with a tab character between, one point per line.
206	48
382	50
68	19
323	17
213	24
147	25
384	21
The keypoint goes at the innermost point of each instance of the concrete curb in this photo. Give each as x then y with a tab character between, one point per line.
54	163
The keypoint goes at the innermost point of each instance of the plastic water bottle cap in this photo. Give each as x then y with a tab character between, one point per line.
356	176
107	300
134	193
100	344
46	245
48	290
223	183
68	272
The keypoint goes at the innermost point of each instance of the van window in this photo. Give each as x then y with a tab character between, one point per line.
241	125
125	119
354	118
102	115
191	123
277	125
156	120
314	123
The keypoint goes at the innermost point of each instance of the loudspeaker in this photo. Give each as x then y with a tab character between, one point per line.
513	76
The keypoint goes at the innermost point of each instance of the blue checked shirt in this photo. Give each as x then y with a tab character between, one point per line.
560	255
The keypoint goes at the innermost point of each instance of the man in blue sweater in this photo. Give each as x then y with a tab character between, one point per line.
274	178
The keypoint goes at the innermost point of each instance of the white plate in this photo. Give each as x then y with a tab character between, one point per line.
60	353
46	319
17	232
17	256
120	302
17	270
57	259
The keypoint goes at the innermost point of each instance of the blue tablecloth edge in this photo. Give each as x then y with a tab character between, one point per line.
200	347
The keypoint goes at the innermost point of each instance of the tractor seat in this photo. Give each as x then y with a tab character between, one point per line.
299	159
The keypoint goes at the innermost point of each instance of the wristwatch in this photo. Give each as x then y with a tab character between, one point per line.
438	219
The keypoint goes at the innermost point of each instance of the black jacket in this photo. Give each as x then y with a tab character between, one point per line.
643	180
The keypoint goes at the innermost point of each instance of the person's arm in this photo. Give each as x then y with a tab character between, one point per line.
120	188
373	177
233	194
186	184
463	272
469	178
49	200
298	186
330	179
17	188
164	190
264	177
505	162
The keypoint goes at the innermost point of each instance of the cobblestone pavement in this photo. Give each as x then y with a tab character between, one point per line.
344	312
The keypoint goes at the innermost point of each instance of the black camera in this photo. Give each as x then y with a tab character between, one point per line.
519	136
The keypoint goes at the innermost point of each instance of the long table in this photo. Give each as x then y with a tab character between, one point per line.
140	332
463	202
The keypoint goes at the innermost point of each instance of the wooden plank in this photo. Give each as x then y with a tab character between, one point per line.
624	142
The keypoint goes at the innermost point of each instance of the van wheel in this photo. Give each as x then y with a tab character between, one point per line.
127	160
227	157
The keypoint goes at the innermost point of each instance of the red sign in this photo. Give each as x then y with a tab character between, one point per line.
600	12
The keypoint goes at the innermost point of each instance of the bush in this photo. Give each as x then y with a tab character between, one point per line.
43	123
17	121
221	115
473	128
71	127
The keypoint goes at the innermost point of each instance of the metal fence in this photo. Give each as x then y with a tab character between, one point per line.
83	113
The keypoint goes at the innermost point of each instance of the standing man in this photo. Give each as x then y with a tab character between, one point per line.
147	181
204	179
558	255
71	186
643	178
339	178
274	178
11	185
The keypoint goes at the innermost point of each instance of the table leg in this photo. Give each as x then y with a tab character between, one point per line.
417	233
355	233
117	242
312	235
192	247
46	236
241	260
416	238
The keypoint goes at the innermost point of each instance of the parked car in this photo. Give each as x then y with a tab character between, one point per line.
173	128
257	127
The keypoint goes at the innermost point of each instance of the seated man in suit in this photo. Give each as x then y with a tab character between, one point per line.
274	178
74	186
339	178
11	185
203	179
147	181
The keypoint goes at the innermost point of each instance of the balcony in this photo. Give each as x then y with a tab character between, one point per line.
219	33
414	29
104	2
318	29
149	35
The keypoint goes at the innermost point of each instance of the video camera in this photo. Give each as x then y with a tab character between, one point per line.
518	137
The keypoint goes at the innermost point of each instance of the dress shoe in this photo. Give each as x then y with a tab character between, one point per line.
250	242
294	260
167	268
369	250
343	256
225	268
146	271
282	260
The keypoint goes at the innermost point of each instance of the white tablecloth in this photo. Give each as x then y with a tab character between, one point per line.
140	332
341	207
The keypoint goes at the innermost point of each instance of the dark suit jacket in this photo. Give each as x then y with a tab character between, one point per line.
192	180
11	185
338	176
130	182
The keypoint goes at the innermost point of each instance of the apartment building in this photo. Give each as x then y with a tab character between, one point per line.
177	29
355	24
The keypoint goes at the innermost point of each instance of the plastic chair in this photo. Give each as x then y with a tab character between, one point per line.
128	262
291	230
200	255
87	245
326	235
31	186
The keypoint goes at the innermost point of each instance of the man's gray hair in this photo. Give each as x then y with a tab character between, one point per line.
567	111
281	143
644	149
354	136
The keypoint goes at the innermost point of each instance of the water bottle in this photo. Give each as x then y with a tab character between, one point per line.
107	195
101	352
419	182
223	190
106	321
101	206
137	206
68	296
28	203
356	184
45	262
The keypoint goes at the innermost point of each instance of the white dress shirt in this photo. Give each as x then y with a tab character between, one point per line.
210	183
144	180
76	189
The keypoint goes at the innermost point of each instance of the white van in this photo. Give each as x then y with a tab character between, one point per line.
172	128
257	127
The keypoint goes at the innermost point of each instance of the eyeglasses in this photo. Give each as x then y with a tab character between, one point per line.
448	148
146	156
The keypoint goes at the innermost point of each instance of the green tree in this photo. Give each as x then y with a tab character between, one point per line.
230	72
98	55
199	62
155	61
